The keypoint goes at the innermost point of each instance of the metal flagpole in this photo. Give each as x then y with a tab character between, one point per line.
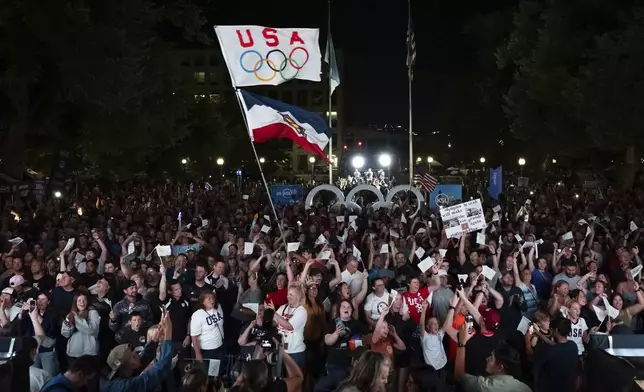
259	165
409	67
328	43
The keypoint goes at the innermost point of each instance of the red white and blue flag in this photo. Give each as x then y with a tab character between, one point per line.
271	119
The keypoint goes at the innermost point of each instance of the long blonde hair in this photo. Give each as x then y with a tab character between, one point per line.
365	373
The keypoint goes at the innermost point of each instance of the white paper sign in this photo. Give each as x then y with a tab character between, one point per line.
352	218
131	248
421	231
601	315
496	209
582	222
339	218
567	236
252	306
462	278
164	250
16	241
248	248
466	217
420	252
204	223
524	325
356	253
213	367
480	238
518	238
292	246
268	218
326	255
611	311
633	226
244	197
636	271
442	252
321	240
588	231
488	272
255	55
426	264
393	234
384	249
70	243
403	219
265	229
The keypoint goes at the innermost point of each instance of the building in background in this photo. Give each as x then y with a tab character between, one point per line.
206	66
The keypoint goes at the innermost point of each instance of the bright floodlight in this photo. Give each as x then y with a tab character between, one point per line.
58	195
312	159
430	159
184	161
554	160
521	161
262	160
418	159
384	160
357	162
482	160
220	161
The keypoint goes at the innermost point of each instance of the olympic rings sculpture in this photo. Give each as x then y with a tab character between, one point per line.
349	200
271	62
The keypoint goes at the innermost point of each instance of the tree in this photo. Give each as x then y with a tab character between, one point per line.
93	76
577	77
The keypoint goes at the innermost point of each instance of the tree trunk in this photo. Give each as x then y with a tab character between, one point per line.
12	155
628	170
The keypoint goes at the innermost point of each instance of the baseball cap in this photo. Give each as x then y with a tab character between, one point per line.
491	318
118	356
16	280
8	290
129	283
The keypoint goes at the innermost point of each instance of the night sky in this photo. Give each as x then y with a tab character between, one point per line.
371	35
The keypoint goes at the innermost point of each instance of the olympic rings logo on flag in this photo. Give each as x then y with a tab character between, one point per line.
271	60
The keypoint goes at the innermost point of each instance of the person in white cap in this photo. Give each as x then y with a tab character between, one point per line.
8	310
18	284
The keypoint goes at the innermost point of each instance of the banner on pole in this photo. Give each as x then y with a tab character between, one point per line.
286	194
445	195
496	182
258	55
466	216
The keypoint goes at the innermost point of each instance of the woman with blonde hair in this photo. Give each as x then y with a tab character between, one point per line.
291	321
207	328
369	374
81	328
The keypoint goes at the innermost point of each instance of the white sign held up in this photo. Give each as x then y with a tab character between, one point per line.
466	217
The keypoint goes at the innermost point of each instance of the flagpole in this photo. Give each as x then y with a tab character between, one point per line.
259	165
330	93
409	65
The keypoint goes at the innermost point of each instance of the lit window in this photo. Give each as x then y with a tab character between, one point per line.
200	77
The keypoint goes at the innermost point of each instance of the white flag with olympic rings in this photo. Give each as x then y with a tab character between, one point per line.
257	55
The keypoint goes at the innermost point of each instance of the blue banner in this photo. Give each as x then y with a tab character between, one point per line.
496	183
286	194
445	195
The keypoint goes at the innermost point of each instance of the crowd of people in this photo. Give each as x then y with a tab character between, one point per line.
140	288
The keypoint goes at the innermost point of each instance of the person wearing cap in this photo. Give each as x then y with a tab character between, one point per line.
8	310
132	302
42	323
122	364
21	292
501	367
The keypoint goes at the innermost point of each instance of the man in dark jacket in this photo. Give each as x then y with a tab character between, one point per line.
120	314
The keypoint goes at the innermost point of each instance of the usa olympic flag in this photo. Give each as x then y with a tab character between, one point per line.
271	119
257	55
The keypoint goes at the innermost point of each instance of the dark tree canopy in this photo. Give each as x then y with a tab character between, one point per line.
95	77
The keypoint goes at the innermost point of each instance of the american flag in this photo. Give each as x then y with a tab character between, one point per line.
411	49
426	181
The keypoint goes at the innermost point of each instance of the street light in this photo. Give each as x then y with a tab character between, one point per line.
262	160
521	164
357	162
430	159
429	164
419	159
554	160
220	163
58	194
311	160
385	161
184	161
482	160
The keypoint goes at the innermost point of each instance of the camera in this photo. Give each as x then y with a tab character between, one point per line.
266	335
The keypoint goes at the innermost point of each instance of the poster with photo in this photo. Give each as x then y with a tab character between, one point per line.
466	216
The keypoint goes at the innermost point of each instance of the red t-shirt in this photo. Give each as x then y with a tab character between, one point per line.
414	302
278	297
